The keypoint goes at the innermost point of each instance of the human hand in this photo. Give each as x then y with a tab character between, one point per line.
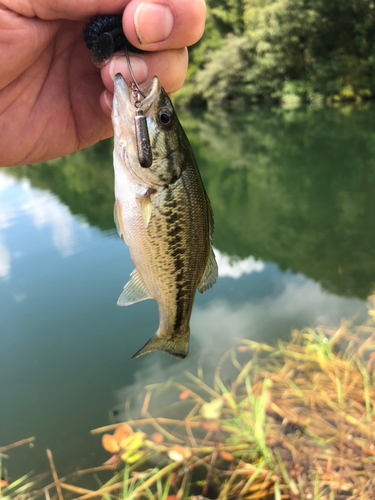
52	98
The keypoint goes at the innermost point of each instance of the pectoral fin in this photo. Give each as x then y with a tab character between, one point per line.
117	219
134	291
146	209
210	274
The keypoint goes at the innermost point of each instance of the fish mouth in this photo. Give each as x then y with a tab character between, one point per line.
124	103
152	91
123	115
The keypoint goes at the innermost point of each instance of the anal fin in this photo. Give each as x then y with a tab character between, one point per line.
134	291
210	274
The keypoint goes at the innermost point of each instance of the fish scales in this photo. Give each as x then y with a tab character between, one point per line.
164	215
171	249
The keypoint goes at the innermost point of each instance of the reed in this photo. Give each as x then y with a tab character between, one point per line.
296	422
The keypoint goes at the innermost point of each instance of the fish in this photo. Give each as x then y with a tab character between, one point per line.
163	214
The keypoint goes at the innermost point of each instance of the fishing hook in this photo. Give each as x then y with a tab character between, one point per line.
141	130
134	85
103	36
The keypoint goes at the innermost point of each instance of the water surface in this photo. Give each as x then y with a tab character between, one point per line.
292	194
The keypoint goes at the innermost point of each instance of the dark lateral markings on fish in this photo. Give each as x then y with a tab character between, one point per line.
162	212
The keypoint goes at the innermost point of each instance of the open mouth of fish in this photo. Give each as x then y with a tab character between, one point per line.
124	110
124	101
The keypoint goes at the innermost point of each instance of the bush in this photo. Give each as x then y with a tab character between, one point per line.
264	50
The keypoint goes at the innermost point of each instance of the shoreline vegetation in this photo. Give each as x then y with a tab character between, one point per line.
282	51
291	421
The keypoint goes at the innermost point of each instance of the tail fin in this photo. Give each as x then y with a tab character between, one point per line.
177	345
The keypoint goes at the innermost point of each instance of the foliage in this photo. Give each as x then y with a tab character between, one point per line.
292	421
274	50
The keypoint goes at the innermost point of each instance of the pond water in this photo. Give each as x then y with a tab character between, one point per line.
293	198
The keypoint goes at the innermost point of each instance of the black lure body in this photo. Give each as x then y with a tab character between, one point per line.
103	36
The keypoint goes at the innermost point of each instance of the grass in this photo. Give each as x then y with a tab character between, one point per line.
297	421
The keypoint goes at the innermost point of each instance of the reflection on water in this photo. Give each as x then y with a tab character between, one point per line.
236	268
293	201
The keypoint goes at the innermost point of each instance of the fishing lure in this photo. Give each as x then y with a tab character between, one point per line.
103	36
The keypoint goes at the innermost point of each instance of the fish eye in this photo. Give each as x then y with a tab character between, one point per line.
165	116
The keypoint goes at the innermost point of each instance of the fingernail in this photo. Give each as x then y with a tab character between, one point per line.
120	65
108	99
153	22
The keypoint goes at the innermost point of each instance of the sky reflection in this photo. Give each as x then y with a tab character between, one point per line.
66	346
41	212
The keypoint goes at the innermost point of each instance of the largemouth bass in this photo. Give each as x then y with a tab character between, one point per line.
164	215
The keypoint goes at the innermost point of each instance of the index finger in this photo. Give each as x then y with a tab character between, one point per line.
71	10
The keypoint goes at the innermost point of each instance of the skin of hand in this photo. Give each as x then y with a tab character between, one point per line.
53	100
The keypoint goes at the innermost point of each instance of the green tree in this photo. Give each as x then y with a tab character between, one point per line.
269	50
